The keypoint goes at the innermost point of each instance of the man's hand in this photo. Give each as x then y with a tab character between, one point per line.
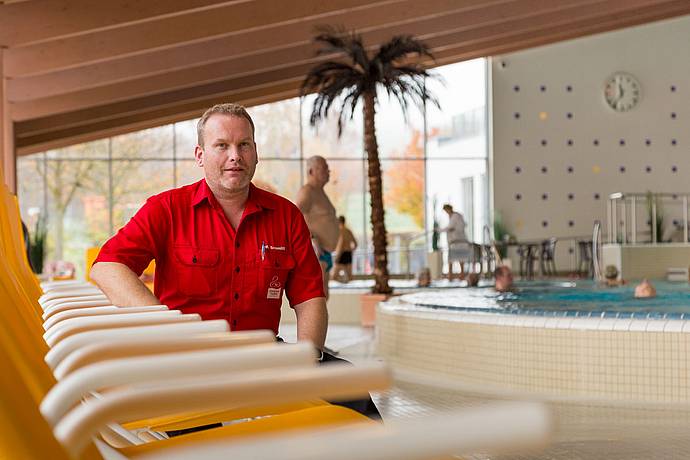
122	286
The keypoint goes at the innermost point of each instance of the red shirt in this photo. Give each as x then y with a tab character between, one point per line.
205	266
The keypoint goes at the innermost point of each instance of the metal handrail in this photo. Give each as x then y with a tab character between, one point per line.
486	235
596	250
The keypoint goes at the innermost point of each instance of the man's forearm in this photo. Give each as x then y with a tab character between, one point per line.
312	321
122	286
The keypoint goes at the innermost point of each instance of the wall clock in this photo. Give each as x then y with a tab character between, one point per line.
622	92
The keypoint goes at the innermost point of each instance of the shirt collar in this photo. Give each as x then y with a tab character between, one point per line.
256	201
203	193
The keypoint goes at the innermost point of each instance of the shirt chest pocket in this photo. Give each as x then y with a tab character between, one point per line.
274	270
196	270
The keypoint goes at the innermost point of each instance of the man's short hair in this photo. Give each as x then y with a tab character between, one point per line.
313	160
447	207
341	219
501	271
228	108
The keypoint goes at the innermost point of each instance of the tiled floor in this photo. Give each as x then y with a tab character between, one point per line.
582	430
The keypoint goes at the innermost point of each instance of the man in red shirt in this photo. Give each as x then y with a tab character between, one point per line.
223	247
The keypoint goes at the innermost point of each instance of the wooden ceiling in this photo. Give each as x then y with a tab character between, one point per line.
78	70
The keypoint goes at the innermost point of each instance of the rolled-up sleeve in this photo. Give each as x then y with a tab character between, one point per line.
137	243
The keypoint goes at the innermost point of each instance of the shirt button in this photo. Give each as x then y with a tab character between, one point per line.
237	269
237	296
237	245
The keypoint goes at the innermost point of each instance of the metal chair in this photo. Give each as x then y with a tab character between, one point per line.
585	265
528	255
547	263
488	259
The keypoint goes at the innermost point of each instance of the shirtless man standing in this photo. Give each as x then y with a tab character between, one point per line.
320	214
343	252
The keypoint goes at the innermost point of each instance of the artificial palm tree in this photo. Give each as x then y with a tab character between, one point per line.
357	74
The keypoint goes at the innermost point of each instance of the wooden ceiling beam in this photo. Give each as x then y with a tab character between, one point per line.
282	36
154	117
611	15
438	32
508	40
521	41
256	63
218	90
32	22
171	31
144	112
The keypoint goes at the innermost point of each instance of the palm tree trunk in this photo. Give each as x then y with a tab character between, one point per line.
376	192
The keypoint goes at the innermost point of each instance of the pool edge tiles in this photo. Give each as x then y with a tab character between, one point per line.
616	358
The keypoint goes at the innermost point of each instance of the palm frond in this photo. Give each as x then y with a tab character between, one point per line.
348	106
323	75
399	47
343	83
336	40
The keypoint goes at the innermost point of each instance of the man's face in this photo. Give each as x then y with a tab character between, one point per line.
504	282
321	172
229	153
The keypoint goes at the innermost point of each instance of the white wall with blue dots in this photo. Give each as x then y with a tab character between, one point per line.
559	149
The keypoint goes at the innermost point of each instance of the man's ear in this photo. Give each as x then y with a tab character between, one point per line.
199	156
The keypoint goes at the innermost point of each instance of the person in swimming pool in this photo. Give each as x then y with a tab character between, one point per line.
611	276
472	280
503	279
645	290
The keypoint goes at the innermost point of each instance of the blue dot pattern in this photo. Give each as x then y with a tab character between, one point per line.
570	142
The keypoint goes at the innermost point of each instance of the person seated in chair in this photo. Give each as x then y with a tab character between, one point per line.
645	290
503	279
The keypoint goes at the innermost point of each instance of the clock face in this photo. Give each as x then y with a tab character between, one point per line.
622	92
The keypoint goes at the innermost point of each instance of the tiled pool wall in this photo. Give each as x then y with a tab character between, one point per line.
638	359
563	313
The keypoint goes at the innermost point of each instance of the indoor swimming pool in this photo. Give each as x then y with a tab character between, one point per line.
569	339
566	298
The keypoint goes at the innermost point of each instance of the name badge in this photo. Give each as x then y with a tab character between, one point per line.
274	289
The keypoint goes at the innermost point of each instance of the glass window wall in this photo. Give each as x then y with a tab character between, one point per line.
87	191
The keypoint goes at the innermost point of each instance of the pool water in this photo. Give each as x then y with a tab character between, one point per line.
577	299
397	284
